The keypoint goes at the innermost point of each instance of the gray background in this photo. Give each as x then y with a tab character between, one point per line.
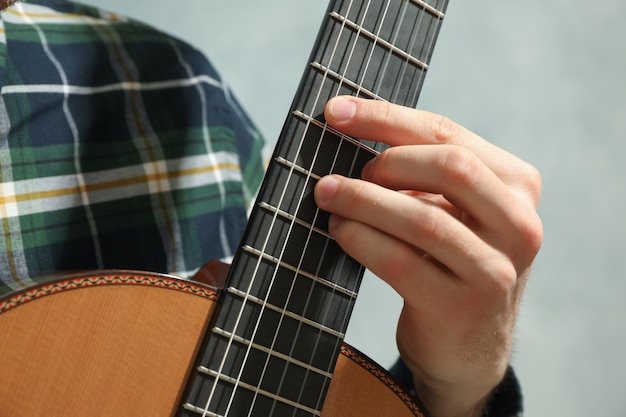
543	79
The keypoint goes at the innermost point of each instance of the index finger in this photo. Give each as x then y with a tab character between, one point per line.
381	121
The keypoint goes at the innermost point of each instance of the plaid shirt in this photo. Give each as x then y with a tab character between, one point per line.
120	147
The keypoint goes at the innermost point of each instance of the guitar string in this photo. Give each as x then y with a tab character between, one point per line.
440	6
346	314
221	367
401	16
246	297
377	93
282	378
338	270
414	37
380	76
364	75
307	180
394	41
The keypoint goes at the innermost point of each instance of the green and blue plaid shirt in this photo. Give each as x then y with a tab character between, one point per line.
120	147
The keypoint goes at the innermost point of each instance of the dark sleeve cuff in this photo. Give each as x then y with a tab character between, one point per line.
505	401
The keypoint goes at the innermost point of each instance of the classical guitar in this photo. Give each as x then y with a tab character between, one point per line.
270	343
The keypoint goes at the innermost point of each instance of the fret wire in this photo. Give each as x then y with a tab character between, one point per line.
297	168
238	321
200	411
379	41
287	313
344	81
415	31
298	271
316	100
341	80
312	120
422	74
392	49
334	288
237	383
317	97
292	268
390	46
418	63
354	44
277	260
430	9
286	358
431	44
265	304
260	258
409	58
290	217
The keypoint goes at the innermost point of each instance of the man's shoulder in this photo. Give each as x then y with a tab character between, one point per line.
92	34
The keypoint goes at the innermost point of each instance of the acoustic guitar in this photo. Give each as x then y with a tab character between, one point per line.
270	343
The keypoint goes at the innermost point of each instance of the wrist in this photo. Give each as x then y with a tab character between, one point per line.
505	400
456	399
451	401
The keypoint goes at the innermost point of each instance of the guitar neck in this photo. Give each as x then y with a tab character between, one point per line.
291	289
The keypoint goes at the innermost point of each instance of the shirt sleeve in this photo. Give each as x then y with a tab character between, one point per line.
505	401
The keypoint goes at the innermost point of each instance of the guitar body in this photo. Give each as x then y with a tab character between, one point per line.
124	343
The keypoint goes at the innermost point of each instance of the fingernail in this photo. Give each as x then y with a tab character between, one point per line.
366	172
334	222
342	108
326	188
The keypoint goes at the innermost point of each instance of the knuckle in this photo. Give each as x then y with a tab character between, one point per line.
387	114
355	194
503	276
430	224
531	234
443	129
460	166
501	281
531	181
346	235
397	265
533	176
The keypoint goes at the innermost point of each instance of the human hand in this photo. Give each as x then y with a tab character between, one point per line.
450	222
213	273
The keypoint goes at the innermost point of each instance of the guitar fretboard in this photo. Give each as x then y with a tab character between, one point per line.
291	290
